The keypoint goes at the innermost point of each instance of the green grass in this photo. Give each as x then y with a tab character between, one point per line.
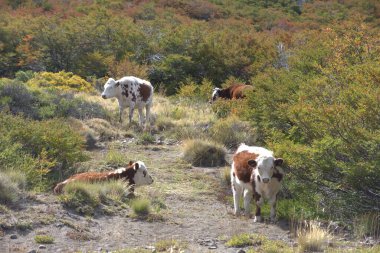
44	239
244	240
141	207
115	158
9	192
367	225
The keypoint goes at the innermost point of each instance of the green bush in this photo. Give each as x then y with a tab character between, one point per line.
204	153
44	150
231	131
82	197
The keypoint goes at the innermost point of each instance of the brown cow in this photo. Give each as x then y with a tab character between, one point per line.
235	91
135	174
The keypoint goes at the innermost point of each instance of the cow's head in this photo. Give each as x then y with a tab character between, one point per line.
141	176
111	89
266	167
215	94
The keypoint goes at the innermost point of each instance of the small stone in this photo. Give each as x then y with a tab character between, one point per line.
42	247
32	251
212	247
240	251
13	236
100	249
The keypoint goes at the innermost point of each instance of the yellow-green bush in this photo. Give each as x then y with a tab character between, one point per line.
64	81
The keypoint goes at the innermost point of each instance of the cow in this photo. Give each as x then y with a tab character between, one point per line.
135	174
235	91
130	91
255	172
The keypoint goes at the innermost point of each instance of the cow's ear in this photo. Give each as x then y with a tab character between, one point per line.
117	84
252	163
278	161
130	163
136	166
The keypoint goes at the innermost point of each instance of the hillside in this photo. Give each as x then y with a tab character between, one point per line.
314	69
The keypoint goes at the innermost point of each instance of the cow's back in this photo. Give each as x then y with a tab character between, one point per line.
237	90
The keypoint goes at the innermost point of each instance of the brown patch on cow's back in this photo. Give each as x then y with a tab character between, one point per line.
145	91
237	91
241	168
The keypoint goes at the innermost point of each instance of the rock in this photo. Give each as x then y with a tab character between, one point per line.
32	251
240	251
42	247
213	247
13	236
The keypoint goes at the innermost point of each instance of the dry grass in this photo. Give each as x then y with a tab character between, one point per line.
313	238
367	225
204	153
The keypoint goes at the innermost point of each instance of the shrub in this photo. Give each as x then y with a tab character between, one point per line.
64	81
231	131
146	138
9	192
203	153
44	239
170	245
103	129
43	150
141	207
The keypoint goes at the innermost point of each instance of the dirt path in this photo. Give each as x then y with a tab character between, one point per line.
194	213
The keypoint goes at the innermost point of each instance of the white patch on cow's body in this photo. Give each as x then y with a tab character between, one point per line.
119	170
127	92
142	177
265	184
240	188
215	94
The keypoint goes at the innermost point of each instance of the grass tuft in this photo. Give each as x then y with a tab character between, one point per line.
313	238
9	192
244	240
170	246
44	239
141	207
367	225
204	153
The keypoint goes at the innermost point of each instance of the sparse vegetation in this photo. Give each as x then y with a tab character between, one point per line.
244	240
170	246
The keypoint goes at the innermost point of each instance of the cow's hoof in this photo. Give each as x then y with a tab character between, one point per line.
257	219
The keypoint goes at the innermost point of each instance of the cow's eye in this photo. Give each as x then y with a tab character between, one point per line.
144	172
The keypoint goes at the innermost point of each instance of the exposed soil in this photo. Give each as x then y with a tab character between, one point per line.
201	218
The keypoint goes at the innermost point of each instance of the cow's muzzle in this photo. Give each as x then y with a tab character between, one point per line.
265	180
104	96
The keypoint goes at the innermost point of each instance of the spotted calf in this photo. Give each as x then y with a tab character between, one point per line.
136	174
255	172
131	91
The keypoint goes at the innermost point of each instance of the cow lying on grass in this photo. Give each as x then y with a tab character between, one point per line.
135	175
235	91
255	171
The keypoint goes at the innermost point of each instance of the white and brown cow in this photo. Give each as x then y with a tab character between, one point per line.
235	91
136	174
131	91
255	172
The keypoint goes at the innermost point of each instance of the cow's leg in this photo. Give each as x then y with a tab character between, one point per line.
237	191
247	201
272	203
131	110
141	115
259	203
147	114
120	113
